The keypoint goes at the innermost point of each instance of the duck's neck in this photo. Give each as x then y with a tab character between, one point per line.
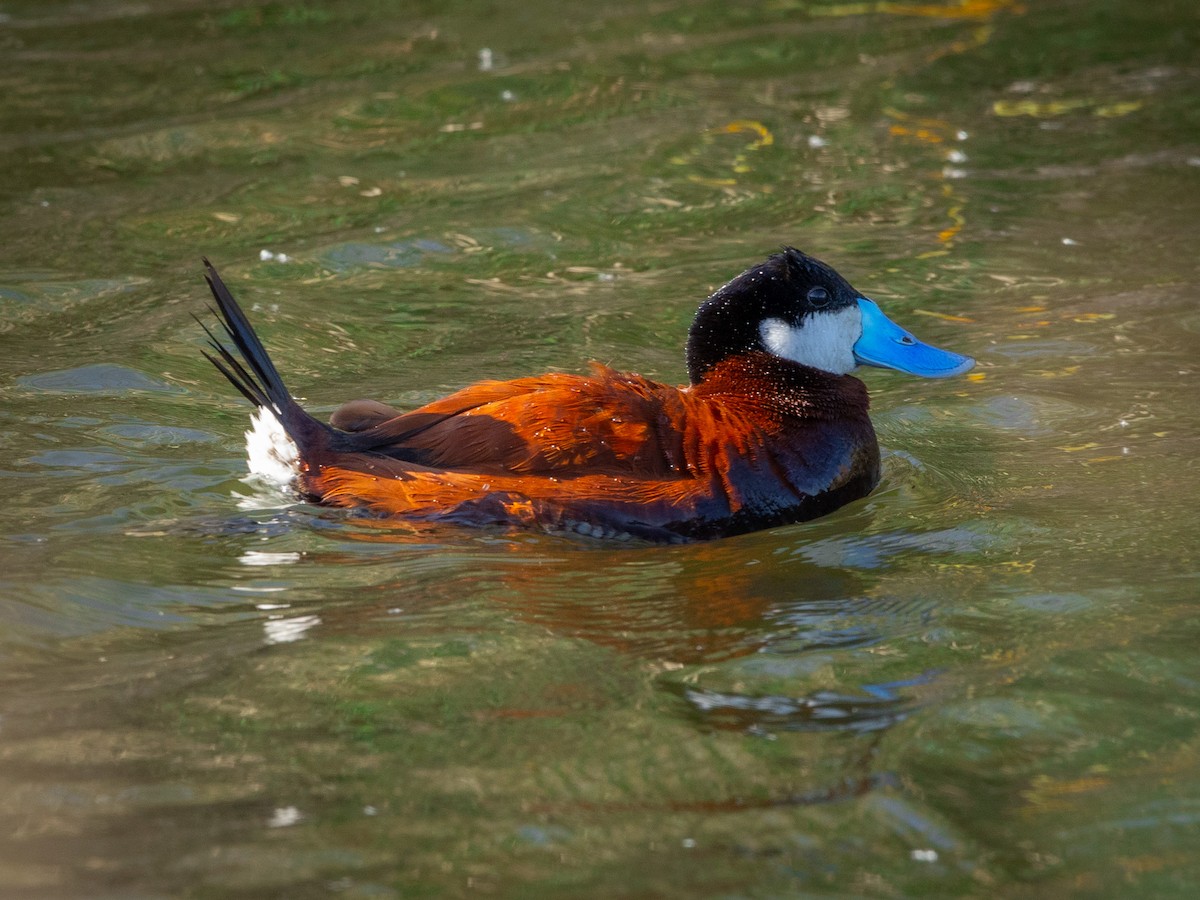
793	388
719	332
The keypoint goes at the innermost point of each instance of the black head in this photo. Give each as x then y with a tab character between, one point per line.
766	308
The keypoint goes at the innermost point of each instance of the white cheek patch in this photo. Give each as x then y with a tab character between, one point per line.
823	340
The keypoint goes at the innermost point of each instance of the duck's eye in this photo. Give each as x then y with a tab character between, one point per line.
818	297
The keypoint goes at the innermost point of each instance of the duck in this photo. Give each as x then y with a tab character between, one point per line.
771	429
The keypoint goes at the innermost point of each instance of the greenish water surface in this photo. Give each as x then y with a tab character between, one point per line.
980	681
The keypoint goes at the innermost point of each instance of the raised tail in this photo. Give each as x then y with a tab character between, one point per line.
284	440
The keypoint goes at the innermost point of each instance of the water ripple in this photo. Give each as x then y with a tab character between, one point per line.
819	711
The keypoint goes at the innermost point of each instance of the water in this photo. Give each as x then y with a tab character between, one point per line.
979	681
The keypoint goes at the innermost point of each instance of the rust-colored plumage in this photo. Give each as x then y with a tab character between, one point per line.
756	440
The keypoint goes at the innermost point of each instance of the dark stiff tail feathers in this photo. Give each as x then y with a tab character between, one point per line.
261	384
255	376
251	371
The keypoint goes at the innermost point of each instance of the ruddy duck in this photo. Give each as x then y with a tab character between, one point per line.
772	429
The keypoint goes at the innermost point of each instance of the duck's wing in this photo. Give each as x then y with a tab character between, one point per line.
362	415
606	422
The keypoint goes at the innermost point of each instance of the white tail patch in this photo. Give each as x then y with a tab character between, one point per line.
271	455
